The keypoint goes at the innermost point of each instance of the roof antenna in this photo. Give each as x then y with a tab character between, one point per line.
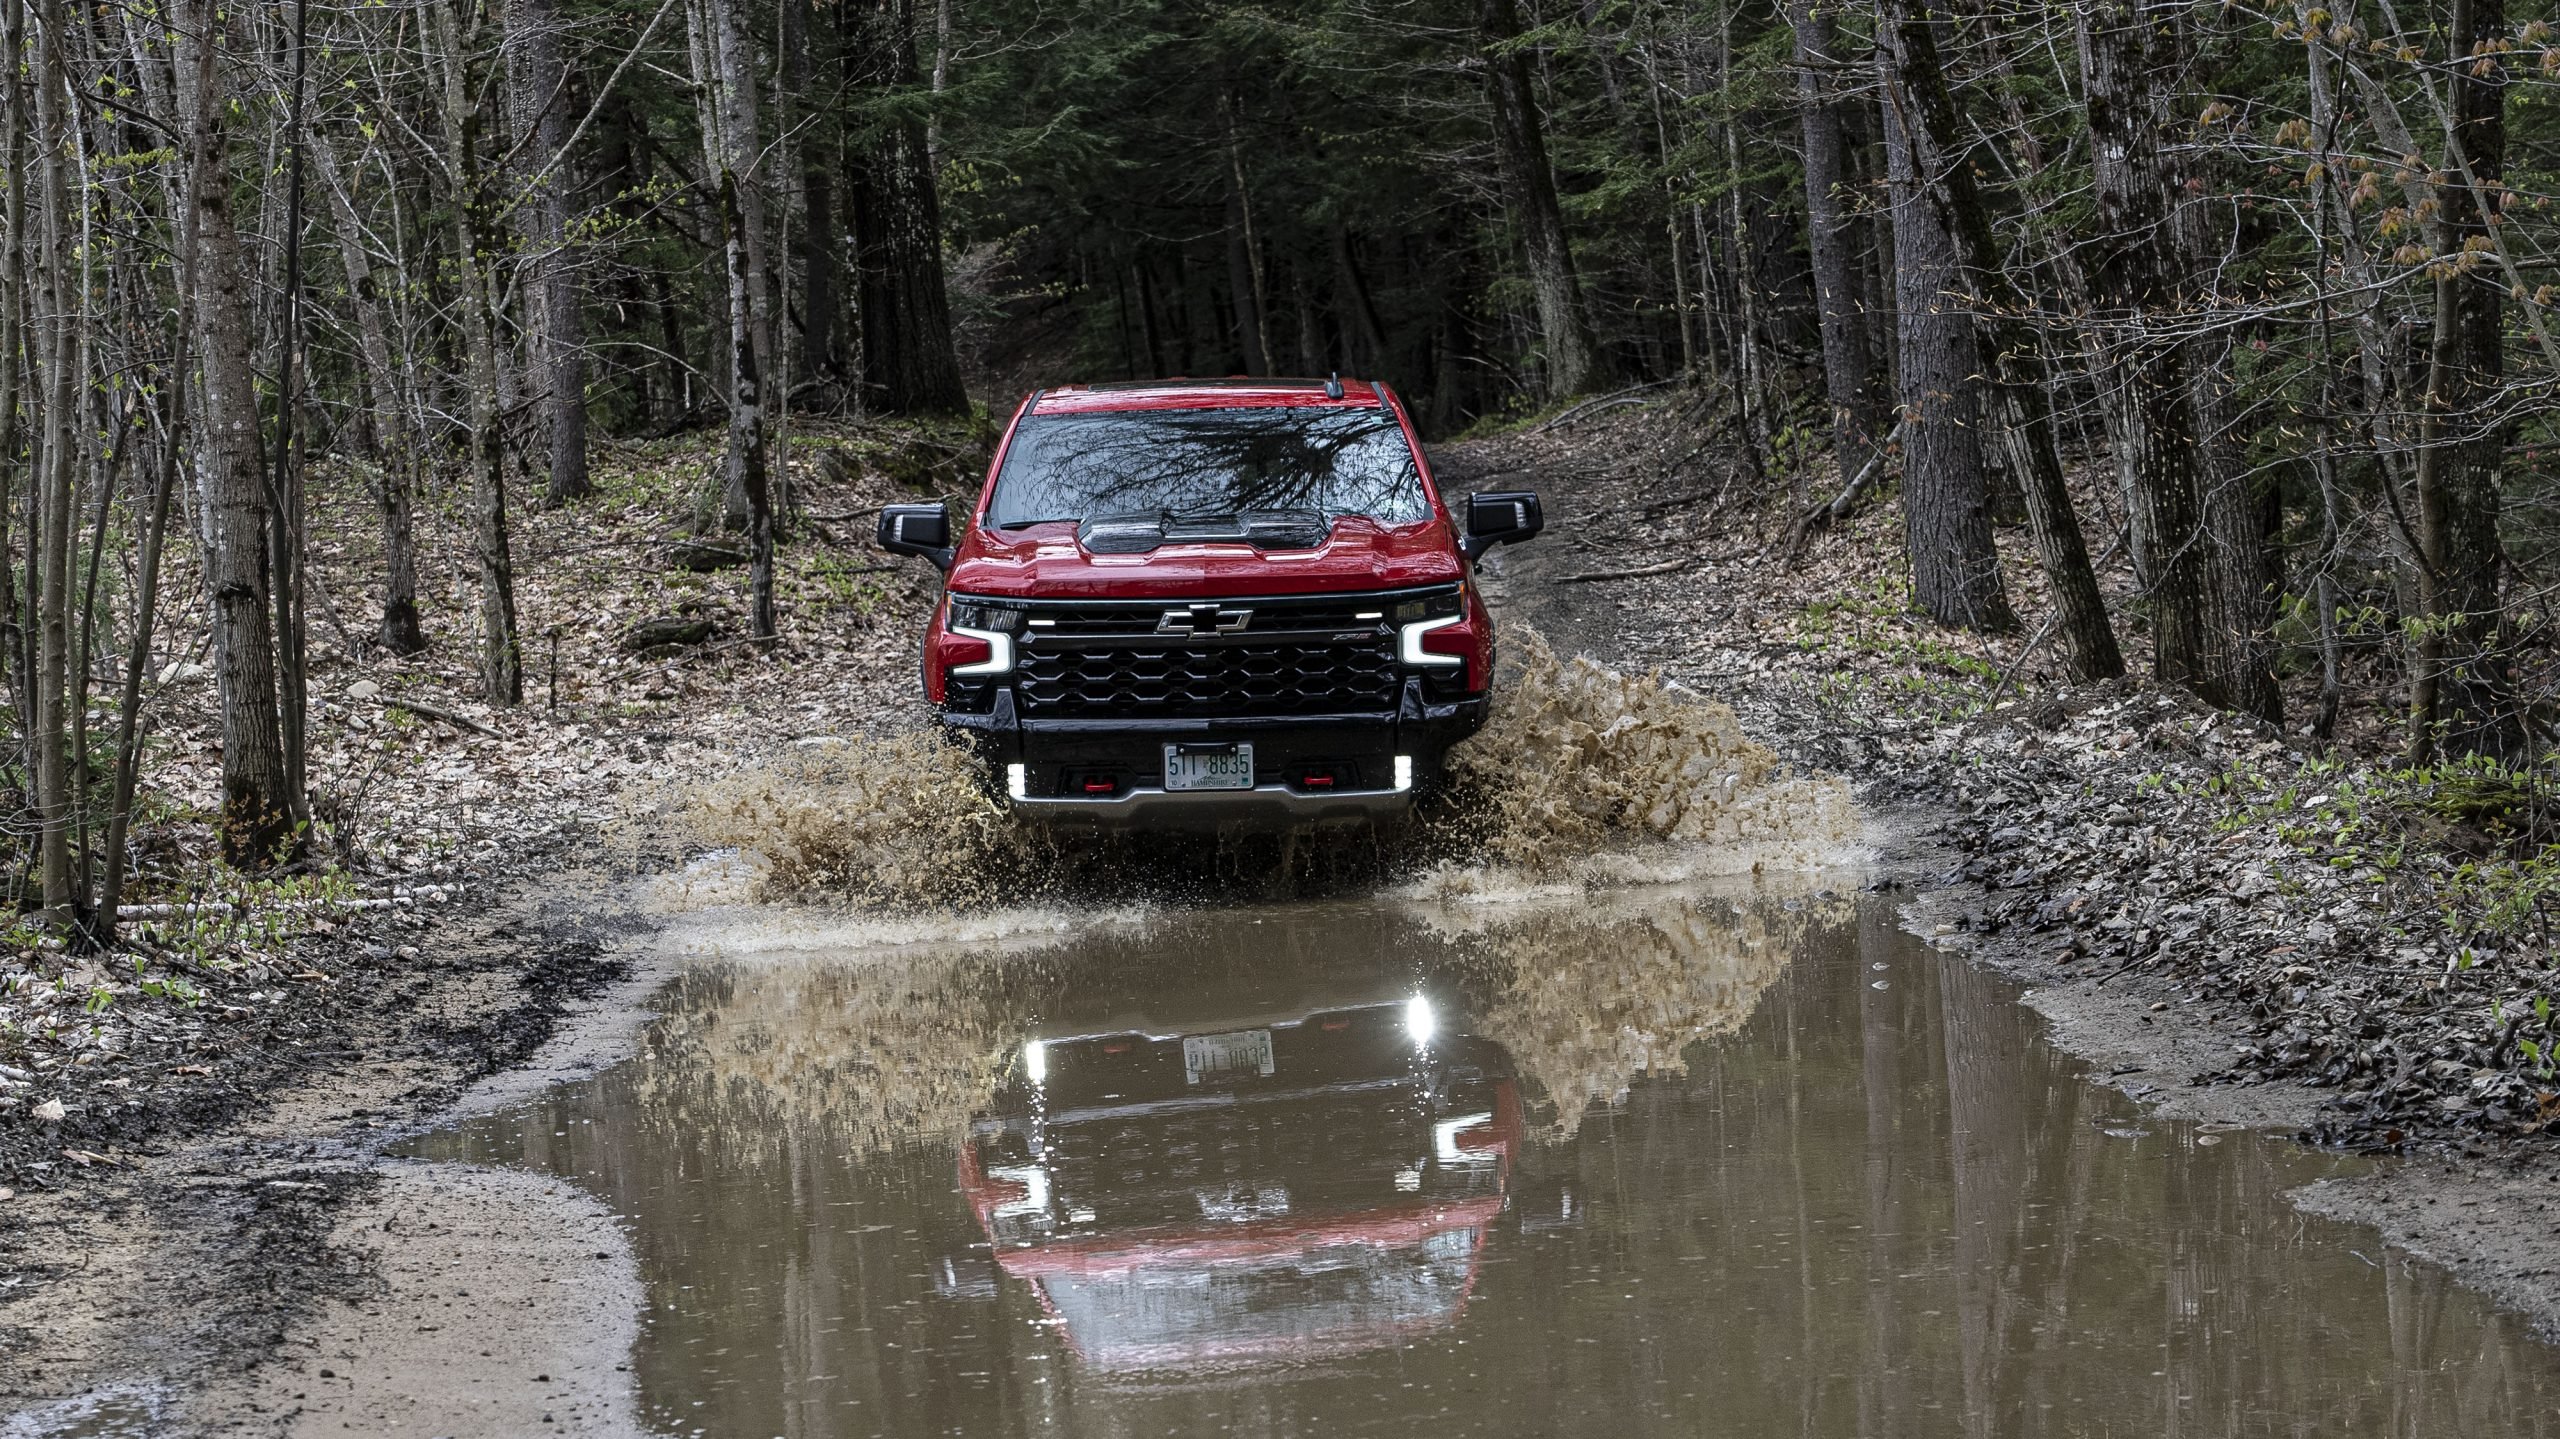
1333	386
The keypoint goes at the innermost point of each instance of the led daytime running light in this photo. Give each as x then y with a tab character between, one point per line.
999	660
1411	650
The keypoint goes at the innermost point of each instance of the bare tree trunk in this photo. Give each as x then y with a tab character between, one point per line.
541	84
733	146
2021	392
1684	331
821	283
746	416
909	365
1573	357
257	814
1751	395
2122	54
2461	700
1848	357
724	80
51	496
2241	578
14	309
138	656
287	521
1244	261
501	652
1360	312
395	440
1955	571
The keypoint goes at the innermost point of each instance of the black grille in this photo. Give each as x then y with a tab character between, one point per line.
1132	681
1059	620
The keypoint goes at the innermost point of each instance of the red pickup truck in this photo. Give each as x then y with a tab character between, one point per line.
1209	601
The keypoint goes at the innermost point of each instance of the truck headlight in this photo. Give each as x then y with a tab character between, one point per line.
1410	649
999	660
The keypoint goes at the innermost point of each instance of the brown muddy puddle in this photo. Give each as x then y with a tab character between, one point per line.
1704	1161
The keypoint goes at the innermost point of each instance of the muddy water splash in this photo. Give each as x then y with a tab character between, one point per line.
879	821
1586	771
1581	773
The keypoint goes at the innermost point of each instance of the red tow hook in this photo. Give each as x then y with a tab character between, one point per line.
1100	786
1318	781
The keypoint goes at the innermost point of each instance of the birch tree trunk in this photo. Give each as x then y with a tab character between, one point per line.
732	144
724	81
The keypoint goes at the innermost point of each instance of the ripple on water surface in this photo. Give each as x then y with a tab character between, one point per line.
1665	1162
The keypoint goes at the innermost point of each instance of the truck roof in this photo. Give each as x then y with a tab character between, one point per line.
1233	393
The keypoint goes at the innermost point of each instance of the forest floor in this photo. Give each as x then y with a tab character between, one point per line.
2226	919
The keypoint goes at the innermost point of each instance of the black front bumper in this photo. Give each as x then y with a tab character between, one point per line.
1307	767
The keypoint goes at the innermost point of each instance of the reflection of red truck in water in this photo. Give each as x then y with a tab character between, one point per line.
1277	1188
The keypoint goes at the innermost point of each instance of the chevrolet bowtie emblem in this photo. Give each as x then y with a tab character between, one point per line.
1203	620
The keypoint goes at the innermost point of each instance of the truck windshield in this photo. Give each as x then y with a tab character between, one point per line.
1185	464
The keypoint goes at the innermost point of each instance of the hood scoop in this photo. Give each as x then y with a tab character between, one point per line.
1262	529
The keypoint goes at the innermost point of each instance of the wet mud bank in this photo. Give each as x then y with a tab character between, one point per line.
196	1241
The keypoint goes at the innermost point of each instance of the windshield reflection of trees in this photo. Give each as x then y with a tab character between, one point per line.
1189	464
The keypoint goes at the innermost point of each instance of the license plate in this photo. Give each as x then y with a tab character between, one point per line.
1208	769
1226	1056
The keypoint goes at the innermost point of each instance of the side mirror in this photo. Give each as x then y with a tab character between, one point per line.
917	530
1504	518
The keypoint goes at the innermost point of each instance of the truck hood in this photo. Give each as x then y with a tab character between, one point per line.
1046	562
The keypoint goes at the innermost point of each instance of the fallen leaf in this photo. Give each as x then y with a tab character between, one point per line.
50	1111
